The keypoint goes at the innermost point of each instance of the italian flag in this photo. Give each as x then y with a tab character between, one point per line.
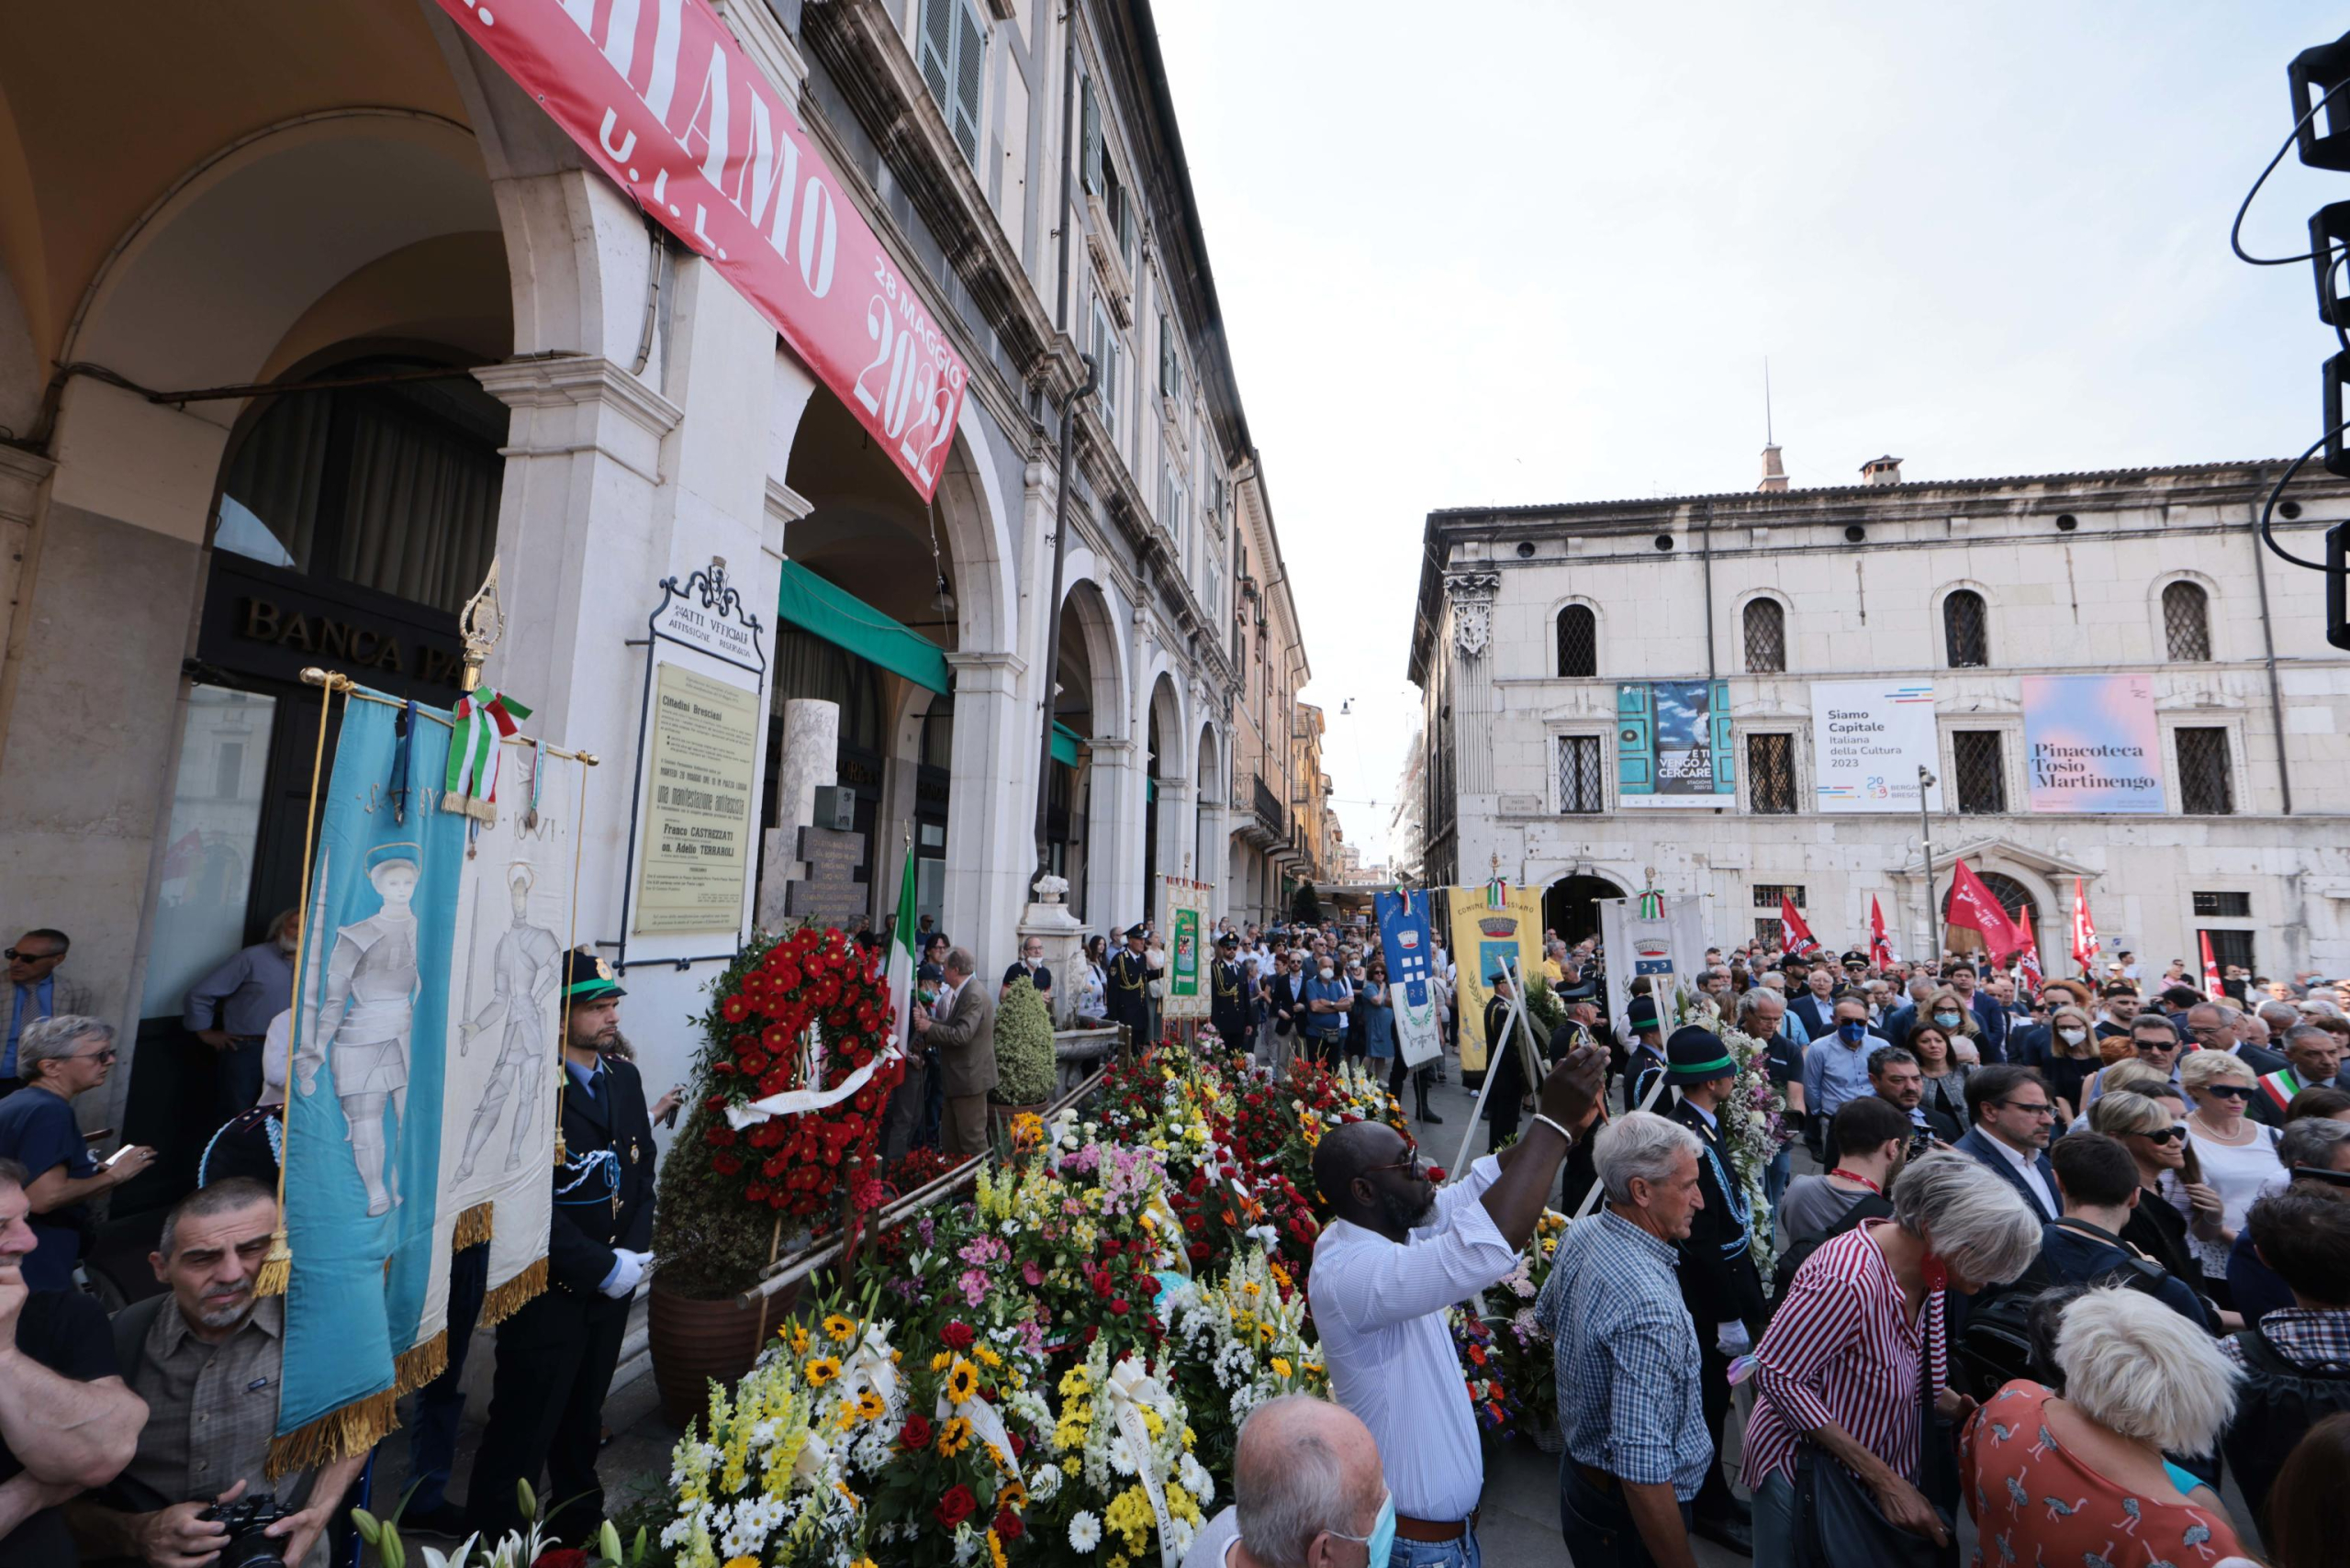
902	948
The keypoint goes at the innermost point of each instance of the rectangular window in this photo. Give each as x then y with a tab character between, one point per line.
229	770
1091	115
1170	362
1768	895
2204	788
2230	948
954	51
214	832
2223	906
1770	773
1106	359
1582	788
1770	933
1982	772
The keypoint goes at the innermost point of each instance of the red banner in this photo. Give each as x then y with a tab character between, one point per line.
2084	942
658	93
2211	986
1971	905
1794	935
1880	946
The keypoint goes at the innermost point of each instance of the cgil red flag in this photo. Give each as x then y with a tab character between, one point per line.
1880	946
1794	935
2027	960
2084	945
1971	905
2211	986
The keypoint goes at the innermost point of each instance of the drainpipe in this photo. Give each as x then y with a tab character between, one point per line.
1068	132
1053	613
2268	643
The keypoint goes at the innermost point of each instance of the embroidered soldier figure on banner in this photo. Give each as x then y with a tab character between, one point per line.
367	1011
526	970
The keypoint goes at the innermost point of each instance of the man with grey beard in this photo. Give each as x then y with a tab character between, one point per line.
206	1357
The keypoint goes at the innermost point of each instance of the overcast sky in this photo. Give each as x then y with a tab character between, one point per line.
1538	251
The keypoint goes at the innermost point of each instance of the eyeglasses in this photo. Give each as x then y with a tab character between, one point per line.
2229	1091
16	953
107	1054
2031	1108
1411	1161
2168	1134
2154	1048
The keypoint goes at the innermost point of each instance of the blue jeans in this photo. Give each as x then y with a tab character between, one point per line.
1774	1521
1598	1528
1775	1175
1460	1553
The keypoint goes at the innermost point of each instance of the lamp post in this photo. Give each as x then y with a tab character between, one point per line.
1926	853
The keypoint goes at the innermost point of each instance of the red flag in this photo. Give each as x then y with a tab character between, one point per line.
2027	960
1794	935
2084	948
2211	986
1971	905
1880	946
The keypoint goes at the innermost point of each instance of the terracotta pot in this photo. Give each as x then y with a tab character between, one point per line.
1000	1117
693	1342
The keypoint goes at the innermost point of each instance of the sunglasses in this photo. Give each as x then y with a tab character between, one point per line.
2036	1108
2168	1134
2229	1091
1411	1161
16	953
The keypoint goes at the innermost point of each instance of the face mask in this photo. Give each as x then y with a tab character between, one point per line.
1382	1538
1947	1020
1853	1034
2072	1036
1327	971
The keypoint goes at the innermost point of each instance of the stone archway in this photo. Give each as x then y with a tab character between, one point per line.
1569	905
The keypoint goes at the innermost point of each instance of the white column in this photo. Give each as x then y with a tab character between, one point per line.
990	839
811	749
1113	897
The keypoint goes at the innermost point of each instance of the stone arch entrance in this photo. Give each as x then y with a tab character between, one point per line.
1569	905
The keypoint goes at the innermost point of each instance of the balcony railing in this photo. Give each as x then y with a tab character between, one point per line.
1270	809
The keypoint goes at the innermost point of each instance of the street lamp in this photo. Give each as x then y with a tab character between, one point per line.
1926	854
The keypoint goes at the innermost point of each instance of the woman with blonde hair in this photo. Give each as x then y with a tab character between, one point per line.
1957	1021
2146	1122
2238	1157
2135	1381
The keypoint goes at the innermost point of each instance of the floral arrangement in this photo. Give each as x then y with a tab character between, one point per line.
1023	1048
1125	1445
1494	1405
1240	1340
812	1001
1754	1126
1520	1346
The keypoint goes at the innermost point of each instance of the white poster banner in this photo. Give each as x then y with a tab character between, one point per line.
1868	740
1669	947
506	1013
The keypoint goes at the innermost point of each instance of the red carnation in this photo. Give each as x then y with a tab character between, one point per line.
1007	1526
958	1336
916	1436
561	1557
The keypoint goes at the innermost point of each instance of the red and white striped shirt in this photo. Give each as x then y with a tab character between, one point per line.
1840	1349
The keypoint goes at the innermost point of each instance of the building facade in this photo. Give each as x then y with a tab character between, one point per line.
352	317
1542	631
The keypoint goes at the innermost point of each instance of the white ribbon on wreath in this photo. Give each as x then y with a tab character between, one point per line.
1129	1391
986	1425
799	1101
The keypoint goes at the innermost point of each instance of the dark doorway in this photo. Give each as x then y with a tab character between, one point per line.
1570	907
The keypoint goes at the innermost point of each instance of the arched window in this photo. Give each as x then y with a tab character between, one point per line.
1966	630
1766	637
1578	641
2186	622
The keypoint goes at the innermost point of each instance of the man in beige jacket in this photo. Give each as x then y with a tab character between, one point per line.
962	1025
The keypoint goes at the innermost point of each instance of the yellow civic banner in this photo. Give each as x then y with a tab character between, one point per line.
1492	925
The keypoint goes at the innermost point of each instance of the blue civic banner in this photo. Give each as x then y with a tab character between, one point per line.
1411	986
363	1106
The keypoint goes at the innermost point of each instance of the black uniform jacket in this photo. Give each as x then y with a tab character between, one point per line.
1719	1279
603	1187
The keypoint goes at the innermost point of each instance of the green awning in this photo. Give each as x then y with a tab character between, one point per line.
1065	744
815	606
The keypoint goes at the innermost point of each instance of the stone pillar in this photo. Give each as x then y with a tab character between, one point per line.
1049	920
1114	899
1472	686
812	745
991	838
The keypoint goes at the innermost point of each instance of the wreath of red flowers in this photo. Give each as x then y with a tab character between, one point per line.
800	1165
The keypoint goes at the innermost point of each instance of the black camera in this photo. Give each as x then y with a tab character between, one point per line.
1921	1141
246	1518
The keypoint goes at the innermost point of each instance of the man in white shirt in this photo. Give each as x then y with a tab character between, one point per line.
2011	1108
1395	1255
1305	1489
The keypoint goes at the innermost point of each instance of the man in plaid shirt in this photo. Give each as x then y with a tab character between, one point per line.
2297	1360
1630	1400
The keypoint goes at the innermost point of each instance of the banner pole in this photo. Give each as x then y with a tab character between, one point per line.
562	1013
277	1267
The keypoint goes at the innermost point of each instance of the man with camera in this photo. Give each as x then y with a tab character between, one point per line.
206	1357
66	1421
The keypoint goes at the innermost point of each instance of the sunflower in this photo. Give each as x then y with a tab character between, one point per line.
954	1437
962	1382
986	1356
995	1551
821	1370
797	1336
870	1408
1012	1496
939	1362
839	1329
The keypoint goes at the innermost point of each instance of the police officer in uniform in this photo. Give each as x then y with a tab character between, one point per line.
556	1354
1130	987
1227	1003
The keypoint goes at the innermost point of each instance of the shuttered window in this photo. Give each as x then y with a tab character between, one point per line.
1106	358
1091	115
954	51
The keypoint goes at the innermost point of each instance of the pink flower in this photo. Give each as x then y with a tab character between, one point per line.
1032	1274
974	1286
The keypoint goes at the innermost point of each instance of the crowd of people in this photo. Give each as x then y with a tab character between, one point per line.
2070	1259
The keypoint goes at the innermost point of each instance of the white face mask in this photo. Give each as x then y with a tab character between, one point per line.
2072	1036
1327	971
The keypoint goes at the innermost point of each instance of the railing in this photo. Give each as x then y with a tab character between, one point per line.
1270	809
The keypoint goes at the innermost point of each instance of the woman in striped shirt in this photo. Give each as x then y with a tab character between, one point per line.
1844	1366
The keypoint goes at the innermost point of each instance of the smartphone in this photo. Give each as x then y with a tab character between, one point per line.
108	1163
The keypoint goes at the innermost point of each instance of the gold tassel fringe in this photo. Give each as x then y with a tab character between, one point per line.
474	1228
276	1269
419	1364
510	1298
338	1434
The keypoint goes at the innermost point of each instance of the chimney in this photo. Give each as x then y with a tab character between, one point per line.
1774	476
1881	471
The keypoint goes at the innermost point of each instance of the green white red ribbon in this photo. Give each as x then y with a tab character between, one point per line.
484	719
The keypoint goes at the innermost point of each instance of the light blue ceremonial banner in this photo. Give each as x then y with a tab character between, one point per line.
1404	939
364	1104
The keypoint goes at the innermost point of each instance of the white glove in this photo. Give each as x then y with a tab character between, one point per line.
1731	1339
628	1268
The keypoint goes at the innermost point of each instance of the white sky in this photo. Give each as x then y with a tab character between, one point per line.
1527	252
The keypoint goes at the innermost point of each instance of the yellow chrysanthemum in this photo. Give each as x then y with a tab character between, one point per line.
1070	1466
798	1335
821	1370
954	1437
1280	1367
840	1328
962	1382
1074	1382
742	1562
